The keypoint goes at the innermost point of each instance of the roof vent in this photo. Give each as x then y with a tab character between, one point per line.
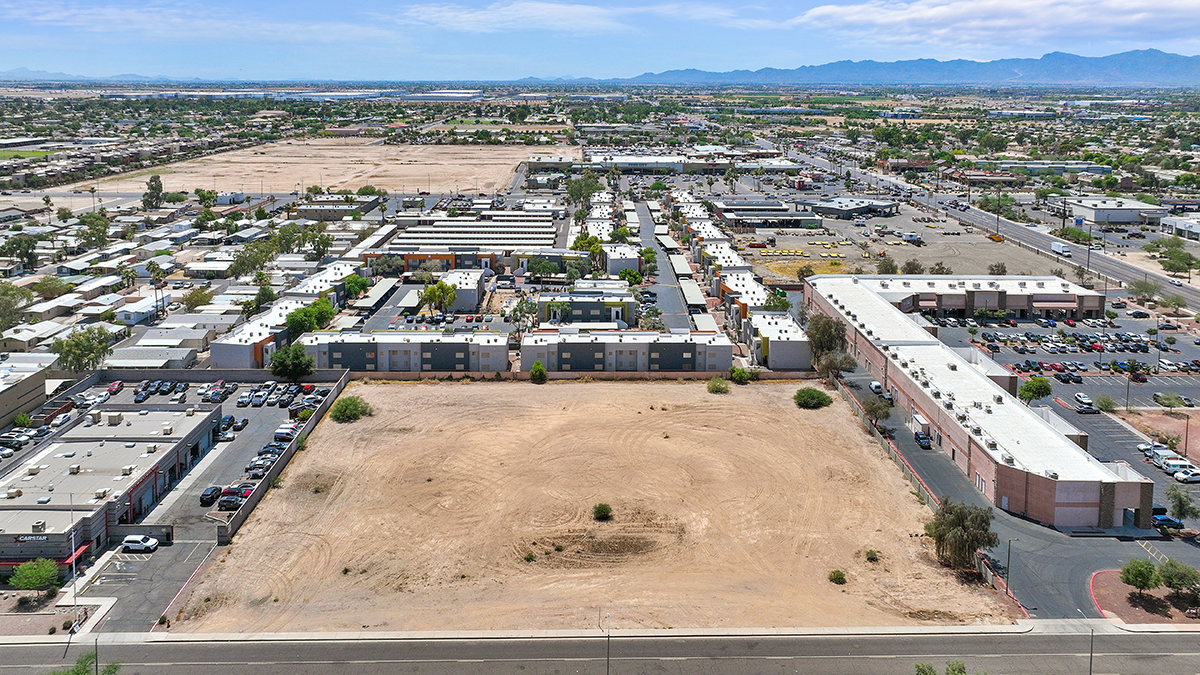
952	366
101	493
948	404
39	526
976	430
1008	459
987	409
998	398
1052	475
990	443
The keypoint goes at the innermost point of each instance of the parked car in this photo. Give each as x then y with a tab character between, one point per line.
1189	476
210	496
226	437
1168	523
230	503
116	387
922	439
139	542
241	424
226	422
244	400
141	396
1083	399
181	397
60	420
1087	410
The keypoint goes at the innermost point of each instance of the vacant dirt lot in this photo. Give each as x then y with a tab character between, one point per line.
728	511
344	163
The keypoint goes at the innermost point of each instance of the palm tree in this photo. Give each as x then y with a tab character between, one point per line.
128	275
92	190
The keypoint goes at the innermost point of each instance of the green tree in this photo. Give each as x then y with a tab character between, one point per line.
23	420
300	321
1181	503
439	296
83	350
1140	574
831	366
540	268
174	198
206	198
886	265
35	575
152	198
323	311
356	285
292	363
777	303
805	271
24	248
940	267
1180	578
630	276
350	409
49	287
651	320
826	335
1144	290
1034	388
524	315
998	269
261	214
875	408
537	373
64	214
1105	402
197	297
958	530
912	267
94	232
12	300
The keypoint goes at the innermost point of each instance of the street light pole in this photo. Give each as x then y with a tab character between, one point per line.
1008	568
607	643
1091	641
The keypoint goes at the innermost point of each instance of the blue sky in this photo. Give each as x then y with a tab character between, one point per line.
465	39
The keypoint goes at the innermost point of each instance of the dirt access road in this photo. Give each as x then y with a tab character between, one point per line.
728	511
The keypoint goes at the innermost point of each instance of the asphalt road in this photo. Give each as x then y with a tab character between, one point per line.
1070	652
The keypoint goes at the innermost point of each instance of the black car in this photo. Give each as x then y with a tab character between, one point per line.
141	396
181	387
209	496
152	388
229	503
166	387
226	422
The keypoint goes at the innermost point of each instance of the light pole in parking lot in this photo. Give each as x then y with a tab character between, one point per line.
1008	569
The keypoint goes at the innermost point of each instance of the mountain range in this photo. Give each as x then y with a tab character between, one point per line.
1142	68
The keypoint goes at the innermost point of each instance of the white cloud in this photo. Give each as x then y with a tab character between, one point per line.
534	15
999	22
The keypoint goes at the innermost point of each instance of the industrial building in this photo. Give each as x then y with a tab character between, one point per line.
1021	297
1113	210
589	301
108	470
469	287
847	208
22	383
776	341
1027	461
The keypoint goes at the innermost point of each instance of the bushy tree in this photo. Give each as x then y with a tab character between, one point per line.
875	408
825	335
356	285
718	385
154	196
1140	574
912	267
1180	578
35	575
1034	388
350	409
292	363
537	373
831	366
886	265
810	398
12	300
1182	505
197	297
958	530
83	350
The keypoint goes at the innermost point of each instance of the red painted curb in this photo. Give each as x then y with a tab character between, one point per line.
1092	589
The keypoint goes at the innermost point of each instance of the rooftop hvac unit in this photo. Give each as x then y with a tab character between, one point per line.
924	383
168	428
1052	475
935	393
190	412
94	416
952	366
987	409
962	416
948	405
152	447
990	443
74	469
977	404
950	395
1008	459
976	430
113	418
906	284
997	398
39	526
12	493
128	469
101	493
33	470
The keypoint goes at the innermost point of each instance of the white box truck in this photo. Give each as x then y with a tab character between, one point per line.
1061	248
912	238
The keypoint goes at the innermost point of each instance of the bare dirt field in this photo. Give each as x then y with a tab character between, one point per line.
343	163
727	511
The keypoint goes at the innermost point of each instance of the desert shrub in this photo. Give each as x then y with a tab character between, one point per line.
838	577
739	376
811	399
718	385
872	555
537	373
602	512
305	414
530	557
350	409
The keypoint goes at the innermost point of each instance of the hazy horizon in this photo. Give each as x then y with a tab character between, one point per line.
473	40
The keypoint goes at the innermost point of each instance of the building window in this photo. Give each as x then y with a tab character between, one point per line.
370	366
426	355
654	355
599	355
712	366
577	312
687	355
595	312
337	355
599	366
459	355
653	366
486	355
426	366
564	355
459	367
566	366
370	355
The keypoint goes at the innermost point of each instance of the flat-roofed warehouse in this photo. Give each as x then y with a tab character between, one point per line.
1023	459
108	470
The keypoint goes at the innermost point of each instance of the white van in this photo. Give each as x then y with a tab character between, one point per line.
1159	457
875	387
1174	466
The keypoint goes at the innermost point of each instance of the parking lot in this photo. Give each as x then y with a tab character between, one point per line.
145	584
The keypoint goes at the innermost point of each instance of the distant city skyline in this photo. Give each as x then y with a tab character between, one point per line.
464	40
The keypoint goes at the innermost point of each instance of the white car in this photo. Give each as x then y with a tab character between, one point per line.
1151	446
139	542
60	420
1189	476
1082	398
972	323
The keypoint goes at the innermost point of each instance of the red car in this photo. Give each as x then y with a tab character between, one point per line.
116	387
1070	322
1137	377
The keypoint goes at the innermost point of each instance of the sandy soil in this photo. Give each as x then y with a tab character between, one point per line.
1160	605
1152	422
343	163
728	511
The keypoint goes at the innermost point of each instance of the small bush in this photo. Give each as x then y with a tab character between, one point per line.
162	620
350	409
838	577
739	376
67	624
345	570
811	399
53	630
602	512
305	414
537	373
530	557
872	555
718	385
558	547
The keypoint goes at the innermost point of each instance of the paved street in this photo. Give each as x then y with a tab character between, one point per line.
1055	650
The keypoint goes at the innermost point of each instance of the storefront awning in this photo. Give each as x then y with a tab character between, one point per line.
1046	304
